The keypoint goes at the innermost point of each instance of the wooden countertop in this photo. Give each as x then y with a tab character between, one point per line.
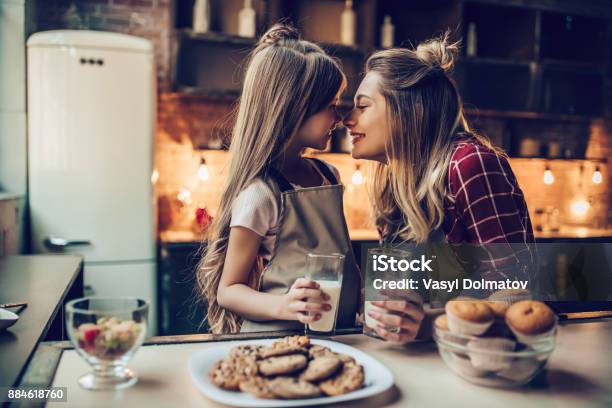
44	281
566	232
578	373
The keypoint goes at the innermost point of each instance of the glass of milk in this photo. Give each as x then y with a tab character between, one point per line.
326	270
373	294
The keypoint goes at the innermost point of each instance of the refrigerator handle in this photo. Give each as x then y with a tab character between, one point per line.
58	244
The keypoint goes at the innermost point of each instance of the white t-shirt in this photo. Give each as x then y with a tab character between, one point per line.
257	209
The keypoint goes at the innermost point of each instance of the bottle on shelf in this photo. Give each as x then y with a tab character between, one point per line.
246	20
387	32
347	24
201	16
472	41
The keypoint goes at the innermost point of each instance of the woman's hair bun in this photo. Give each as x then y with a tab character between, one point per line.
439	53
279	33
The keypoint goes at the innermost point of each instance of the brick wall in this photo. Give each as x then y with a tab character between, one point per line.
151	19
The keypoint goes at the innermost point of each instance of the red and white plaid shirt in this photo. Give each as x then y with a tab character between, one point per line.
487	206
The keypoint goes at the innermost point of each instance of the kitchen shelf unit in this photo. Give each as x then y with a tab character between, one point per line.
520	71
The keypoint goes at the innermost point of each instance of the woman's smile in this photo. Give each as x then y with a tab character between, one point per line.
357	137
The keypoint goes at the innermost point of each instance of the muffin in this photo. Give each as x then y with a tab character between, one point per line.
464	367
521	369
441	322
482	357
469	317
510	296
499	308
530	320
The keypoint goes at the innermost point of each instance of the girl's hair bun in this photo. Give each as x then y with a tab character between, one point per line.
439	53
279	33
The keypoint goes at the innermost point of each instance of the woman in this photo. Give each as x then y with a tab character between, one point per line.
435	179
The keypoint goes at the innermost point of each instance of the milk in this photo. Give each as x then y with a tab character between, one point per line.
328	318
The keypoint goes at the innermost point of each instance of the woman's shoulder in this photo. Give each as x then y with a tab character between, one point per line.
472	156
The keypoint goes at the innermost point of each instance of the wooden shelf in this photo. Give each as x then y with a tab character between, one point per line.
496	61
218	37
529	115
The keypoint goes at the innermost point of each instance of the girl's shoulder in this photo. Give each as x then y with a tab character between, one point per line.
256	207
257	192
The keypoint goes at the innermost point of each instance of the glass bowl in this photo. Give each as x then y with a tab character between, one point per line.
491	361
106	332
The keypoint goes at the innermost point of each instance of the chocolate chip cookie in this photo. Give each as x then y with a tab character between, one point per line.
281	350
299	341
282	365
258	387
228	373
247	350
321	368
293	388
348	379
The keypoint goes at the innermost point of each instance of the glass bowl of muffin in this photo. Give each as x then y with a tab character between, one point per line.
106	332
494	343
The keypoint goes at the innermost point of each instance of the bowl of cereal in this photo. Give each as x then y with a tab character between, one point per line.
106	332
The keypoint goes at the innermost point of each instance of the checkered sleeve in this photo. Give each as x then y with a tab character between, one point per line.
490	205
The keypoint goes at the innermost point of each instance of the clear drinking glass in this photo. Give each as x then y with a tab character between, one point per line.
106	332
326	270
373	294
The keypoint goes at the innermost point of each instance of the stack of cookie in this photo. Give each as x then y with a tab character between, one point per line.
499	340
291	368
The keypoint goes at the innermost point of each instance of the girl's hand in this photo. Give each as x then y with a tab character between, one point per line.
406	314
304	302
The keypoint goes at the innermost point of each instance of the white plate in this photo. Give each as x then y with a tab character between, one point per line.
377	377
7	318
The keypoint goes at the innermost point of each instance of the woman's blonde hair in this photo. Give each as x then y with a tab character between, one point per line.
287	80
424	117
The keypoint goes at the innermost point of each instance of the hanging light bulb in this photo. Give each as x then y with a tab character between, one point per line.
358	177
597	177
549	177
203	173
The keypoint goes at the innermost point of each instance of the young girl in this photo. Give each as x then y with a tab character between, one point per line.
278	206
435	180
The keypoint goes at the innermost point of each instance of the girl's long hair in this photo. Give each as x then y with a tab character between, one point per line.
287	80
424	117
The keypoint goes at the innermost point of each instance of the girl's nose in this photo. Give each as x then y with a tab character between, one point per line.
349	120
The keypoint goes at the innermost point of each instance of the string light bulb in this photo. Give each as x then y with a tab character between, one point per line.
184	195
154	176
203	172
358	177
597	177
549	177
580	207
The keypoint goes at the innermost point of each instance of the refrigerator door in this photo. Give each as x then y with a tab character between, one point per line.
137	279
91	126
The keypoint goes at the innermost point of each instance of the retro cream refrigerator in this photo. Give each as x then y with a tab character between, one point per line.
91	123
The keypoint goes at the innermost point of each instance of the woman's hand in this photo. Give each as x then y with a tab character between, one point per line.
405	314
304	302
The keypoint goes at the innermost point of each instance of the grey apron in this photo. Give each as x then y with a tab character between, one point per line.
311	220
